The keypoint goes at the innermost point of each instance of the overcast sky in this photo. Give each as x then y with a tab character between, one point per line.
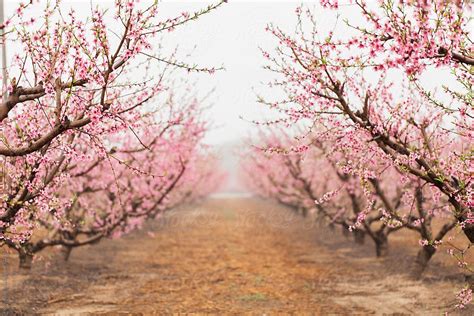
231	36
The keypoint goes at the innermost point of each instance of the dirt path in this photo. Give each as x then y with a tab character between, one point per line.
228	256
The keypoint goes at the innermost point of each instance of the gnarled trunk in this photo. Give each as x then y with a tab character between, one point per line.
66	252
381	245
422	259
26	259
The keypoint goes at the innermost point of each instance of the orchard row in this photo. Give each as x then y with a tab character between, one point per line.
374	130
95	137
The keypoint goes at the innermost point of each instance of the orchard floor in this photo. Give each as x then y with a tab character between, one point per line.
230	256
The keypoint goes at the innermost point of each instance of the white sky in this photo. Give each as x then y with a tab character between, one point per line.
231	36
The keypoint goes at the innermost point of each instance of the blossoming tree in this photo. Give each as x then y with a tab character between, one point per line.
367	84
318	180
364	91
109	192
75	87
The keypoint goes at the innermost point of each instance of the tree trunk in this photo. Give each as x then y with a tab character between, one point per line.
359	236
422	259
66	252
26	259
381	245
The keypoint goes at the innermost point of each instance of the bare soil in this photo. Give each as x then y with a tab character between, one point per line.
231	256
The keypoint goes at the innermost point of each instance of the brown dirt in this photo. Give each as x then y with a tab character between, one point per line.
231	255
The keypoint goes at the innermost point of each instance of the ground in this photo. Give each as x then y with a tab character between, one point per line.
233	256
